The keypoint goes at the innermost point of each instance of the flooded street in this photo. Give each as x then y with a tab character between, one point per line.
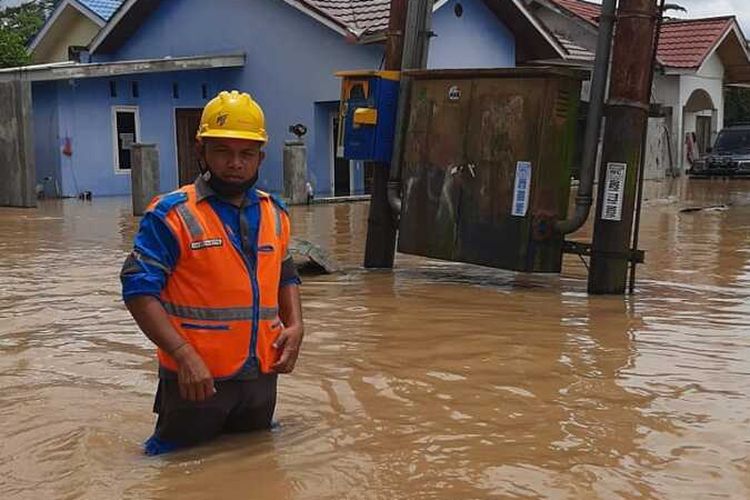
437	380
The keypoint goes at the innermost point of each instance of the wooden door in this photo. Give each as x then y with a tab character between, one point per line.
703	133
187	122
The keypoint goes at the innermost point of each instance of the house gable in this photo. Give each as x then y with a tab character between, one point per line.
469	35
70	24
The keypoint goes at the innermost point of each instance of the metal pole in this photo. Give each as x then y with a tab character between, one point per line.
627	116
380	248
639	196
593	121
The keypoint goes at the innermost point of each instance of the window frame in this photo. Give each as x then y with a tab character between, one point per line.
115	146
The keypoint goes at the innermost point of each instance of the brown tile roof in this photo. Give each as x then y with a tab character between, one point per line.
585	10
683	43
354	15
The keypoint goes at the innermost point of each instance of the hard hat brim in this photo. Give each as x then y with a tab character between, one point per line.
233	134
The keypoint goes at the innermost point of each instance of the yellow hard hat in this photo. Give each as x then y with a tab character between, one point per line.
233	115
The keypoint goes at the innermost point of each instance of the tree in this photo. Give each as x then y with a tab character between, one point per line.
736	105
18	25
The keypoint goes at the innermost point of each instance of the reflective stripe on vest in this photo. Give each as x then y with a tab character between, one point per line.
211	284
220	314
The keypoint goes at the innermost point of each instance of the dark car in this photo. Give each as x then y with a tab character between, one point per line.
730	155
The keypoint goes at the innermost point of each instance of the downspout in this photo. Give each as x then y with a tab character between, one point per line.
600	77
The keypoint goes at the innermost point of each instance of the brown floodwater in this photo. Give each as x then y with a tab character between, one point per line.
436	380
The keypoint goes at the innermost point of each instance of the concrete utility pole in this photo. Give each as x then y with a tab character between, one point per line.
144	176
380	248
627	118
16	145
406	48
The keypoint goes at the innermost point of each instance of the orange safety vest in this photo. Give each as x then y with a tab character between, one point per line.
218	300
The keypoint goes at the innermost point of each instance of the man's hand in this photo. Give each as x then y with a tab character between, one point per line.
287	344
195	381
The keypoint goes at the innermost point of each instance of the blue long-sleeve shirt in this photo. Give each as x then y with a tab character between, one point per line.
156	251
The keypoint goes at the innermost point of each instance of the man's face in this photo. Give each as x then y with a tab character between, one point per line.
235	161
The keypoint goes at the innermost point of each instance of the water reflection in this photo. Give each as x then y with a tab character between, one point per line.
437	380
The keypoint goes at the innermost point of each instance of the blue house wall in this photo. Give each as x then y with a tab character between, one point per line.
476	39
47	145
85	118
290	66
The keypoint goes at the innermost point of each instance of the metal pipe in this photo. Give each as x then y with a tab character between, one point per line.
416	48
599	80
639	193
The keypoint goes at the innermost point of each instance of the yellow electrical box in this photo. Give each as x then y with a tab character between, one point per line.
365	116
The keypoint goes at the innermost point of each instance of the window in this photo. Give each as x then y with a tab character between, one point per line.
112	88
175	91
204	91
125	133
134	87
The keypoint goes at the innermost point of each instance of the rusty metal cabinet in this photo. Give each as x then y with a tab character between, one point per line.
468	130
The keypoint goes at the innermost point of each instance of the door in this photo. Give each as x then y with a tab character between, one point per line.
187	121
703	132
341	166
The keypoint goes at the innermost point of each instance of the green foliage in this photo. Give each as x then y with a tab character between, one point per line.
736	105
18	25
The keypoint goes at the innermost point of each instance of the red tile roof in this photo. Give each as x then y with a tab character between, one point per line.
683	43
686	44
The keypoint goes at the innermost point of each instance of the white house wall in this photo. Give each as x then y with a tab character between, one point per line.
709	78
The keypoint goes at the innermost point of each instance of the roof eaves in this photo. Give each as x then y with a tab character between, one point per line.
70	69
113	21
551	40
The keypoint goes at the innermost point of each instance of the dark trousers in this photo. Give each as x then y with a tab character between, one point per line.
237	406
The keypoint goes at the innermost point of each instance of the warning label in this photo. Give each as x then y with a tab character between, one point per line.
614	191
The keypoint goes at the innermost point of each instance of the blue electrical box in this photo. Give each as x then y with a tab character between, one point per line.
369	100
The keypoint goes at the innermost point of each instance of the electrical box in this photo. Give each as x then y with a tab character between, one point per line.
486	165
369	100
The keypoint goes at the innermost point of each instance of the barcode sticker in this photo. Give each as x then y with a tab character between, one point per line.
521	189
614	191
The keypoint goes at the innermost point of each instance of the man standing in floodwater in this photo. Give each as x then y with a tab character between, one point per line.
211	282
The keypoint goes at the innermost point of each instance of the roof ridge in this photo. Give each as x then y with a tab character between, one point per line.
674	20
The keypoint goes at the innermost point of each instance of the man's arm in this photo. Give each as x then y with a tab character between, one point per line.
195	381
143	277
290	307
290	338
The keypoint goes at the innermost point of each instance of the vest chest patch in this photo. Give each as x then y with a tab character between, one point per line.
199	245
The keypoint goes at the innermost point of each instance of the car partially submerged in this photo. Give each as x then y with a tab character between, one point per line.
730	156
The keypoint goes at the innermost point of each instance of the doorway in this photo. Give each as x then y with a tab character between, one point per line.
341	168
703	133
187	121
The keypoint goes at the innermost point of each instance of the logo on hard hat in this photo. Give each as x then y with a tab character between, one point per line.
221	120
